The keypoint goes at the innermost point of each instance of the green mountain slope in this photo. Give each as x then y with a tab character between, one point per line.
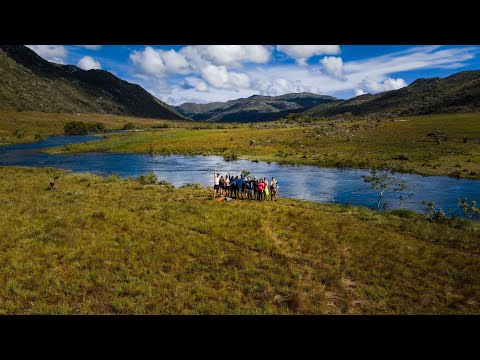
28	82
457	93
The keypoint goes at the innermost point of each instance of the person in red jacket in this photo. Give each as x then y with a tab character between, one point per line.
261	186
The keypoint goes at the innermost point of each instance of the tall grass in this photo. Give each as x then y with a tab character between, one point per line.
97	246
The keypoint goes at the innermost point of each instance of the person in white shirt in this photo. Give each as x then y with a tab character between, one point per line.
216	183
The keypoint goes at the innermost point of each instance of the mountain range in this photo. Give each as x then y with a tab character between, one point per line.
28	82
459	92
253	108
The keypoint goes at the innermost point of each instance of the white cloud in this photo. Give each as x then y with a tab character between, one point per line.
301	53
53	53
175	62
385	85
219	77
359	92
201	86
91	47
88	63
148	62
231	55
333	66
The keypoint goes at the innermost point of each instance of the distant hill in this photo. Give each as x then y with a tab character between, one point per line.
253	108
28	82
459	92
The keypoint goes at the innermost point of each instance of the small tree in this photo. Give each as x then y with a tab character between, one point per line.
431	213
380	182
469	209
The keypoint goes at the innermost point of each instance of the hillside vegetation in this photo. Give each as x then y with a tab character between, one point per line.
458	93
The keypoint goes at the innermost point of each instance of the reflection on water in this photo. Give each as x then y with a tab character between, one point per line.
299	182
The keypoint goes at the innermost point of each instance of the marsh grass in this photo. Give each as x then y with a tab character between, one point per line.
96	246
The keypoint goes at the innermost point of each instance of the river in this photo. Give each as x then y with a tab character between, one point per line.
313	183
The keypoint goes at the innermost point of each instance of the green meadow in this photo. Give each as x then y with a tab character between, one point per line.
116	246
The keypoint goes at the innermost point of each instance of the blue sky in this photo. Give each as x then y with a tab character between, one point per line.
207	73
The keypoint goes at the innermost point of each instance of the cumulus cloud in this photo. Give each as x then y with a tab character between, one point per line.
91	47
219	77
333	66
301	53
88	63
229	55
53	53
359	92
148	62
385	85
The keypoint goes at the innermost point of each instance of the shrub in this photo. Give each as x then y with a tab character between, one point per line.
100	215
231	157
431	213
128	126
469	209
166	184
402	157
161	126
75	128
82	128
149	179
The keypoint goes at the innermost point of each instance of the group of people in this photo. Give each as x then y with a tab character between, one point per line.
244	187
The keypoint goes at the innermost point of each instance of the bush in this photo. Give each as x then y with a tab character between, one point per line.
166	184
149	179
161	126
75	128
128	126
100	215
401	157
470	210
82	128
431	213
231	157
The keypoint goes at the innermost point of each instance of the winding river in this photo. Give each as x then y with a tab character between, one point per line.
320	184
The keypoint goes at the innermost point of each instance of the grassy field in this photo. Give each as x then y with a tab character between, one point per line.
334	143
20	127
144	249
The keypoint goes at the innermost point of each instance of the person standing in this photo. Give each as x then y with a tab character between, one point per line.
266	191
273	189
260	190
216	183
255	187
227	185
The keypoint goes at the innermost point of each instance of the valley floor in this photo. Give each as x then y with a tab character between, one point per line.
428	145
111	246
